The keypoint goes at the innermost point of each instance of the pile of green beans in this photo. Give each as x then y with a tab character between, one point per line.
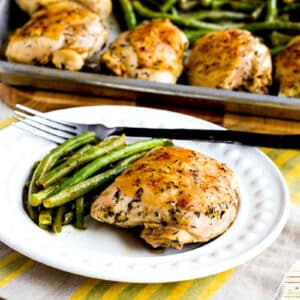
274	21
61	185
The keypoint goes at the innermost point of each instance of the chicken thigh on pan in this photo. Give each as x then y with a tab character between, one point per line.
154	50
101	7
287	69
232	59
179	195
63	33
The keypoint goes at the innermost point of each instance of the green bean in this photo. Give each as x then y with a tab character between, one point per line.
79	159
79	216
187	5
284	18
31	211
78	153
205	3
45	227
80	189
37	198
68	155
193	35
242	6
289	8
69	215
218	14
57	223
276	50
257	12
174	11
52	157
218	4
68	218
168	5
128	12
45	217
94	166
107	159
179	20
168	143
279	39
263	26
271	10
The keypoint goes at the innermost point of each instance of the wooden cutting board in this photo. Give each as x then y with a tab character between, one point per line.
49	100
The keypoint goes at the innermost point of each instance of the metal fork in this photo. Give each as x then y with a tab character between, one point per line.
59	130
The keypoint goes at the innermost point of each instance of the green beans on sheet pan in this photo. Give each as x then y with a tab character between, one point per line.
199	17
61	192
129	14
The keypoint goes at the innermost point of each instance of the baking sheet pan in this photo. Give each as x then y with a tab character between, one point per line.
95	83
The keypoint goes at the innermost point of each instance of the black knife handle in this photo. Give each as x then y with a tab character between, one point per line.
284	141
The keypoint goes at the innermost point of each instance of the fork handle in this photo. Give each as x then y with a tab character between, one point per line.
290	141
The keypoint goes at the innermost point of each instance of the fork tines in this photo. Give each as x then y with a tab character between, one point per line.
37	123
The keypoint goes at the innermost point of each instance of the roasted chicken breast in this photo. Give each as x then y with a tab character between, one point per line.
154	50
179	195
232	59
101	7
287	69
63	33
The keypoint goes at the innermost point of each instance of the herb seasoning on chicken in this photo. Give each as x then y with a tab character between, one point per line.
287	69
64	33
154	50
179	195
232	59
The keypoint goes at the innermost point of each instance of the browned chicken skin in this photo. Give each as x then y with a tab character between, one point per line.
180	196
101	7
287	69
154	50
63	33
232	59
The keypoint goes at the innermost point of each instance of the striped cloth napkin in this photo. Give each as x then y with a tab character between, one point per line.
23	278
290	286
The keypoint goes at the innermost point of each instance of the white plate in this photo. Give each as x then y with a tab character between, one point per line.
109	253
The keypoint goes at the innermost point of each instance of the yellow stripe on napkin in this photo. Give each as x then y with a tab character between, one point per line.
285	157
217	282
12	266
192	289
114	291
6	122
180	290
288	161
85	289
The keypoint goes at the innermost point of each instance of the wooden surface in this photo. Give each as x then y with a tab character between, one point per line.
46	101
